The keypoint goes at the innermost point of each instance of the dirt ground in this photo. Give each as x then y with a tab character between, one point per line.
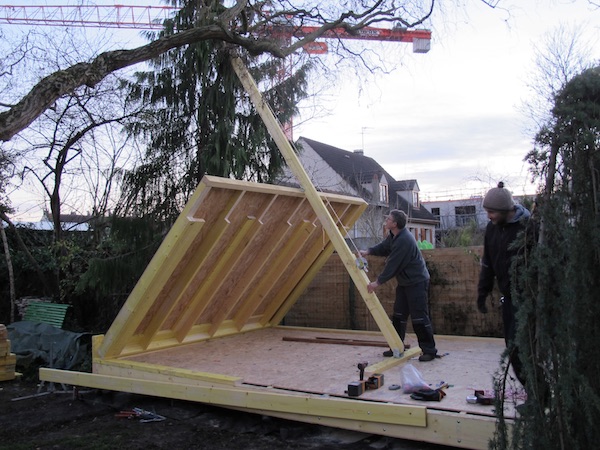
53	417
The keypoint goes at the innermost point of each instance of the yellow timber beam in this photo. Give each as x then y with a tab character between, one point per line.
303	404
329	225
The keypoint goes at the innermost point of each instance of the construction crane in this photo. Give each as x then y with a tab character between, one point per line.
152	18
108	16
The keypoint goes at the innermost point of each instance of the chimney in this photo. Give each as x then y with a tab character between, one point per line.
359	151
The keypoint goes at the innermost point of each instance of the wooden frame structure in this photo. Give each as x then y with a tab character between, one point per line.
231	267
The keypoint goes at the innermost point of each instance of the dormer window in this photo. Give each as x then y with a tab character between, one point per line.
383	193
415	199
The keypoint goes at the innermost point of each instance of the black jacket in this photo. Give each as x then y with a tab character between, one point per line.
499	252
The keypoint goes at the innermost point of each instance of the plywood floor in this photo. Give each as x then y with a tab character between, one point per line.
265	358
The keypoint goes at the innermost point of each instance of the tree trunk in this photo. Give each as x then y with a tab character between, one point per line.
48	290
11	275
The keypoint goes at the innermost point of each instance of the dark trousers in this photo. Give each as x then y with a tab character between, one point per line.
509	312
412	301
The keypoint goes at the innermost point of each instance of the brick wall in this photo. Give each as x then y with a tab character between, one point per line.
331	300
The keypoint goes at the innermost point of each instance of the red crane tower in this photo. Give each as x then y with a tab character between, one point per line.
152	17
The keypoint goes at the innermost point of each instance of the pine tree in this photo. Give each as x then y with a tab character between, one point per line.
559	282
200	121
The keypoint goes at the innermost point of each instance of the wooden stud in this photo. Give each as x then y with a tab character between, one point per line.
216	276
257	293
141	298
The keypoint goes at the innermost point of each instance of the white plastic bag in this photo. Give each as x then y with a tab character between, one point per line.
412	380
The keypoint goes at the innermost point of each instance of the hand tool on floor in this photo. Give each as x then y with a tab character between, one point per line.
356	388
483	399
142	414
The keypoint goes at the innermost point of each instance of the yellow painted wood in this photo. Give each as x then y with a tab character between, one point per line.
275	316
227	328
107	368
247	397
187	278
159	270
144	293
256	294
284	286
262	260
240	248
299	289
170	287
218	275
453	430
388	363
129	367
358	276
157	281
250	186
97	340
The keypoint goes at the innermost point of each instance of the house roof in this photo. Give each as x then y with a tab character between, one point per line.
406	185
357	168
421	213
237	259
354	167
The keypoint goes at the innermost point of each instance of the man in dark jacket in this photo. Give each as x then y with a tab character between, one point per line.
507	221
405	263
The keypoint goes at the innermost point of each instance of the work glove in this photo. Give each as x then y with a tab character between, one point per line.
481	306
428	395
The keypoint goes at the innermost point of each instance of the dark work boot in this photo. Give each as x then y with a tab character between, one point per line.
389	353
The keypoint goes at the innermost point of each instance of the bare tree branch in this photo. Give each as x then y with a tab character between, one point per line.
223	28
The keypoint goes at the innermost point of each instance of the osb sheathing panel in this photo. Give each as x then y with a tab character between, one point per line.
236	259
324	362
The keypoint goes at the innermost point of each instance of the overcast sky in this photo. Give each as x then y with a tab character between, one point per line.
451	116
448	117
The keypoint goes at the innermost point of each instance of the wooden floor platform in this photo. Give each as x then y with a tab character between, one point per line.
325	361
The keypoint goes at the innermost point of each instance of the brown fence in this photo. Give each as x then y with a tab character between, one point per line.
332	301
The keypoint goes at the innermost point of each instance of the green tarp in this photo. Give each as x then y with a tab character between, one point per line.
41	344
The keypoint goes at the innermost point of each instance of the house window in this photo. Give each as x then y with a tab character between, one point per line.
465	215
383	193
436	213
415	198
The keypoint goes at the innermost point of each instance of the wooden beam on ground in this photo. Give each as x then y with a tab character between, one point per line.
302	404
318	340
329	225
388	363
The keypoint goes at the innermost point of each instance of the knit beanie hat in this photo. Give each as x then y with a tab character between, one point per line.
498	199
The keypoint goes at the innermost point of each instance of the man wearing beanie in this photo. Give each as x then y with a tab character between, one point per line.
405	262
506	221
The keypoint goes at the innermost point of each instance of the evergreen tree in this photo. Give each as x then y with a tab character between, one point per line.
558	289
200	121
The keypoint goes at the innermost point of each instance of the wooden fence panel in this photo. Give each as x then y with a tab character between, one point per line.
331	301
